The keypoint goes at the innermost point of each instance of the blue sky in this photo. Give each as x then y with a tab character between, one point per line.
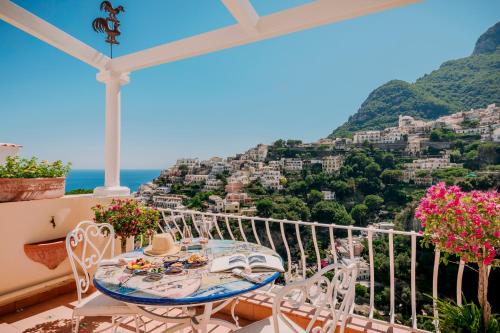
301	85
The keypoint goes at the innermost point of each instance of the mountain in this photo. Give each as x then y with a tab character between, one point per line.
460	84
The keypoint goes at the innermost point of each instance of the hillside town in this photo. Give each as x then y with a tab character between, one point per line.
229	176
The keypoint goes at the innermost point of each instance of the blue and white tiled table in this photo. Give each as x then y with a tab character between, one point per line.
193	287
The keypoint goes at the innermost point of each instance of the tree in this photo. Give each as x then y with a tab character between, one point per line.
390	176
183	168
331	212
372	170
314	197
293	143
342	189
280	143
488	153
265	207
373	202
470	230
359	213
291	208
388	161
369	186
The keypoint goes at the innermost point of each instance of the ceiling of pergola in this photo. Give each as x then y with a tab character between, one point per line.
225	24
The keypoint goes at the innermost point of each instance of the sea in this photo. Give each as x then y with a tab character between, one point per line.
90	179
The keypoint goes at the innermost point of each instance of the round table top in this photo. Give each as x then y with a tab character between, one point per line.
193	286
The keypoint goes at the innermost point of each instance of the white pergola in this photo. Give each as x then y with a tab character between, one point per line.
250	28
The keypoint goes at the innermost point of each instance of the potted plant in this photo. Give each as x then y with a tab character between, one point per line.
27	179
466	225
128	217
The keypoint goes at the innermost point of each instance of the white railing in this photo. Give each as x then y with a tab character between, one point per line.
269	231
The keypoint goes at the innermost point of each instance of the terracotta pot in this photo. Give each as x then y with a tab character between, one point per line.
21	189
49	253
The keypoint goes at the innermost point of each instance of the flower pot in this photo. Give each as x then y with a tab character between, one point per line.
49	253
21	189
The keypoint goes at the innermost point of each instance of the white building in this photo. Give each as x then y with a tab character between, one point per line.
426	164
271	178
367	136
257	154
275	165
191	163
164	189
392	135
168	201
474	130
220	167
231	207
195	179
332	164
328	195
215	204
8	149
292	164
213	184
495	136
414	146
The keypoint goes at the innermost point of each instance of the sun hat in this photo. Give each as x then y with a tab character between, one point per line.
162	245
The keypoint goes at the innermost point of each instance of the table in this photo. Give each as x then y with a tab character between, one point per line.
194	287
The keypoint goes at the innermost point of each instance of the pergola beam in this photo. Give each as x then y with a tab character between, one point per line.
303	17
35	26
244	13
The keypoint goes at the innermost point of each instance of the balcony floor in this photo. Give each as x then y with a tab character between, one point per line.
54	316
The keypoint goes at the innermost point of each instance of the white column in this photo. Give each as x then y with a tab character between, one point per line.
113	82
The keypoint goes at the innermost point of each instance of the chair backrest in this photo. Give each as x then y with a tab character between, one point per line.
87	244
332	297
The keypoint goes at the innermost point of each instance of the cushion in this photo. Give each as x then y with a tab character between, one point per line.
98	304
267	326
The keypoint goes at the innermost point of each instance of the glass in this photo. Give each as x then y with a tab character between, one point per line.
187	236
204	235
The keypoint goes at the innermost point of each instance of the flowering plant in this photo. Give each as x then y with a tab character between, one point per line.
128	218
16	167
466	225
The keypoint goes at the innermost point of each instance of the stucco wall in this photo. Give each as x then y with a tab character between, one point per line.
29	222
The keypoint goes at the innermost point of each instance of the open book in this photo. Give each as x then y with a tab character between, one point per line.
255	262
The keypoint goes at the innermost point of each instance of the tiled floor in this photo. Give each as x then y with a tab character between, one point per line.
54	316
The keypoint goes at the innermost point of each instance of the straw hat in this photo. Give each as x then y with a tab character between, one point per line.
162	245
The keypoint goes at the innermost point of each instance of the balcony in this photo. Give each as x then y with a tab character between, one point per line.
35	298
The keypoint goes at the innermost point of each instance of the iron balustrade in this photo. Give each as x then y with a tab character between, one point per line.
230	226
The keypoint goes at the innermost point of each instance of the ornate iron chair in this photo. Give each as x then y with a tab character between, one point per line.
87	245
333	297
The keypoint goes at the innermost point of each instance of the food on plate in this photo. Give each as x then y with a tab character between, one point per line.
157	270
196	259
177	264
139	263
168	260
174	270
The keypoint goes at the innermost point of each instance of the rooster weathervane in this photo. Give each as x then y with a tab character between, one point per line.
109	25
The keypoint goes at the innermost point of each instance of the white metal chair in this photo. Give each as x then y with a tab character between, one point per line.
333	298
87	245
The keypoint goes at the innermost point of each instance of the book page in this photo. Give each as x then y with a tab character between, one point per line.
228	263
264	261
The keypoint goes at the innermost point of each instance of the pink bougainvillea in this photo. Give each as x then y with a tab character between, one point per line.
460	223
128	218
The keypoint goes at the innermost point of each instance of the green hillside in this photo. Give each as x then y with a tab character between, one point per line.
461	84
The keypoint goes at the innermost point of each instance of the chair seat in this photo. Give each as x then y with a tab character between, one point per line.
267	326
98	304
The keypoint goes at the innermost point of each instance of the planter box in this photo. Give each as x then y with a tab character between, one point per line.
22	189
49	253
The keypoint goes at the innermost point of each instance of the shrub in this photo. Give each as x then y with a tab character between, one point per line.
466	225
16	167
128	218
